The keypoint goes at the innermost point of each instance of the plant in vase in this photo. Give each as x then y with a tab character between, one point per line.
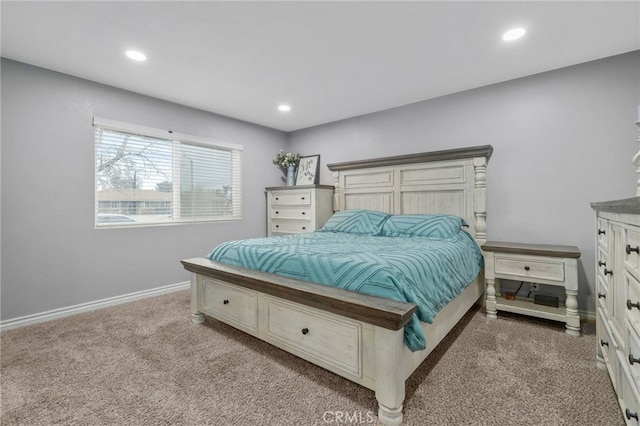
288	162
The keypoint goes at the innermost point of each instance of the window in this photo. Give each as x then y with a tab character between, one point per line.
147	176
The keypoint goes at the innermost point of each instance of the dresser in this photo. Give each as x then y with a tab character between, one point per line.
298	209
617	249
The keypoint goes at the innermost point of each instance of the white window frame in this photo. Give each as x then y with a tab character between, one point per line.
178	139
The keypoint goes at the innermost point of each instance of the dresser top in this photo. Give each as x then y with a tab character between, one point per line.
628	205
532	249
280	188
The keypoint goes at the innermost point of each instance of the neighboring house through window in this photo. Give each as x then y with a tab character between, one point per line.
147	176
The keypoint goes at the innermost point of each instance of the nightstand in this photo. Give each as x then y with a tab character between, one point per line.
534	263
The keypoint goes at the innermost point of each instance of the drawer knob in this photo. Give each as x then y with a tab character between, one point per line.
632	359
602	296
629	249
603	343
303	213
303	198
601	263
225	301
277	212
277	226
632	305
305	331
526	268
600	231
629	414
304	227
277	198
608	272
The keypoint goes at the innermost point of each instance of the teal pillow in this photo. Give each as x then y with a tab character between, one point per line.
356	221
436	226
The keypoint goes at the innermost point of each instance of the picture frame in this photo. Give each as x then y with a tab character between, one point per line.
308	170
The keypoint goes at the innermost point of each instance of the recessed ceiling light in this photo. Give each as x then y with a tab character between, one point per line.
513	34
284	108
135	55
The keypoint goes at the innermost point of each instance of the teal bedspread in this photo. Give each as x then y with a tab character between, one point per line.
426	272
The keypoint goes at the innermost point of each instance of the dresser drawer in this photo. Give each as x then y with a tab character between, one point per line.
633	355
602	293
628	394
283	226
608	346
632	301
602	261
291	198
298	213
603	233
236	305
524	267
319	336
631	249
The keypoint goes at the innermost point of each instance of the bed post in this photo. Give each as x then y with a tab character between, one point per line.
390	385
480	199
336	192
196	316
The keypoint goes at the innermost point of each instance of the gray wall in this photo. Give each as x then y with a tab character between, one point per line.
52	257
561	139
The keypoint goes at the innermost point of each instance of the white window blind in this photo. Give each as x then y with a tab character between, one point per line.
147	176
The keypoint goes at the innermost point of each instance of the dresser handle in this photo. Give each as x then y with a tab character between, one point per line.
602	296
303	213
277	212
632	359
526	268
277	198
277	226
225	302
608	272
304	227
305	331
600	231
632	305
303	198
601	263
629	249
603	343
629	414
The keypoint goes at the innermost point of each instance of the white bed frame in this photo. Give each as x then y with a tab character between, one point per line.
356	336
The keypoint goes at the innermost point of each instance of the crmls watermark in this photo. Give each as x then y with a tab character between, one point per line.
345	417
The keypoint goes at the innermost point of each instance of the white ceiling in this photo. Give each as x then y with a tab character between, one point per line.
328	60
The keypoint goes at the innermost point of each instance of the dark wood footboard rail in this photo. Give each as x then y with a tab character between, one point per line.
385	313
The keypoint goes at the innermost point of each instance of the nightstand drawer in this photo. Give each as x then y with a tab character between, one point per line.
299	213
291	198
523	267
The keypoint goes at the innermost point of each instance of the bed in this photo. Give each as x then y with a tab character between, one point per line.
358	336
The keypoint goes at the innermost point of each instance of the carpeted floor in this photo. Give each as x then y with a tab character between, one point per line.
145	363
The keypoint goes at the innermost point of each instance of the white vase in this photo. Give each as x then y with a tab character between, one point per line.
291	175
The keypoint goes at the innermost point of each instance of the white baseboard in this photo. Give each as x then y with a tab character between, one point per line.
91	306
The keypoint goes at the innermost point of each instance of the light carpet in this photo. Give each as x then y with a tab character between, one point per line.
145	363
